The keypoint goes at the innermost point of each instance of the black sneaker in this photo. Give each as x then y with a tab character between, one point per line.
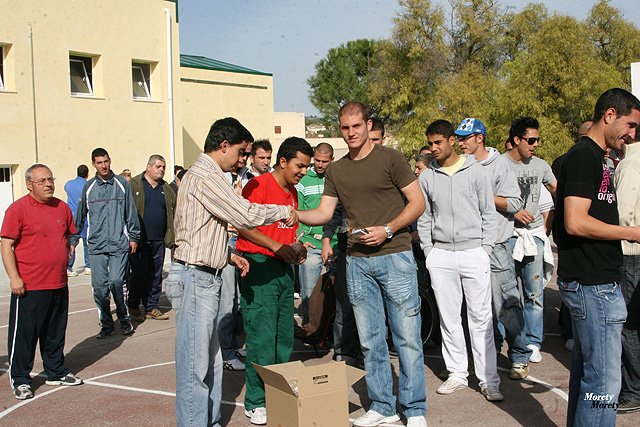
105	332
68	379
22	392
628	406
127	327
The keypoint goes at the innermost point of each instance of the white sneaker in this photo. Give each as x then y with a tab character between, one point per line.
568	345
258	416
416	422
71	273
492	393
241	352
87	271
233	365
450	386
536	357
372	419
296	295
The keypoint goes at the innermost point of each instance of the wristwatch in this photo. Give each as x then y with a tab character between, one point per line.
389	232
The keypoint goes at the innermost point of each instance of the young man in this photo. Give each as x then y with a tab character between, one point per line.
507	307
372	182
377	131
73	189
457	233
267	290
537	262
113	232
35	251
206	205
260	161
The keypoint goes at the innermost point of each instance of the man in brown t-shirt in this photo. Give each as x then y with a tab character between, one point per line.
370	182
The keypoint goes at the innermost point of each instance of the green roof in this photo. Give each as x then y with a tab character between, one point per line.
192	61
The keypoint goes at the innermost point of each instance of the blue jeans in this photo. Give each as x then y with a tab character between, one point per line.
85	251
598	313
194	296
228	313
309	272
507	307
373	282
531	271
631	331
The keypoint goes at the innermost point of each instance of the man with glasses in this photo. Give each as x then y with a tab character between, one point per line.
507	308
532	249
35	251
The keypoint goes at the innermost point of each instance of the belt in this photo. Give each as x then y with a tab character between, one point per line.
204	268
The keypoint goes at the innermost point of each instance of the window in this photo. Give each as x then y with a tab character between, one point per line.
81	68
278	129
140	74
1	67
5	174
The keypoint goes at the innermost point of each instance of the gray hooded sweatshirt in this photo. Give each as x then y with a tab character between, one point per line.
460	211
504	183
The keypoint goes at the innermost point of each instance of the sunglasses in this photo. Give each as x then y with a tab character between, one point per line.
465	137
531	140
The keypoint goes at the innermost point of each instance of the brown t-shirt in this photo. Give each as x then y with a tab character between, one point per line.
369	190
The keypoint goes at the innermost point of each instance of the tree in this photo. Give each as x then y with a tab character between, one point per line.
342	77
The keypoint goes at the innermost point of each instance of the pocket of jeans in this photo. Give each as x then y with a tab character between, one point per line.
615	309
355	288
413	311
573	297
205	281
173	289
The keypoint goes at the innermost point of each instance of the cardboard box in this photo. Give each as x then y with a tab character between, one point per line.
312	396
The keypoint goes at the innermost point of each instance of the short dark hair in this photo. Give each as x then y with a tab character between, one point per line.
620	99
176	169
83	171
182	173
261	143
520	125
291	146
426	147
227	129
98	152
440	127
354	108
377	125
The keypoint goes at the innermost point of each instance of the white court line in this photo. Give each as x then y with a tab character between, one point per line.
72	312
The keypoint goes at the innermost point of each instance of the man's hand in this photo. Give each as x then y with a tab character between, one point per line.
327	254
293	217
302	256
241	263
17	286
308	245
375	236
72	250
133	246
287	253
524	217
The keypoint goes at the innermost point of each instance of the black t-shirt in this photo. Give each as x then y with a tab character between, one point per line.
584	173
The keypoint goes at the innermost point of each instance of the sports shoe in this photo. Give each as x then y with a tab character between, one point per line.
71	273
22	392
519	371
628	406
126	327
136	315
258	416
87	271
156	314
68	379
492	393
241	352
233	365
416	422
296	295
536	357
105	332
450	386
568	344
372	419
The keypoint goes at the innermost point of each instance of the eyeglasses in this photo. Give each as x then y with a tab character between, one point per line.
43	181
462	138
531	140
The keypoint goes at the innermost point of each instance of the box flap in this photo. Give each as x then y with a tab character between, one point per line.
322	378
279	376
354	374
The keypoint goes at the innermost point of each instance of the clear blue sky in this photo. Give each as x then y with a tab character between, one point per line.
288	37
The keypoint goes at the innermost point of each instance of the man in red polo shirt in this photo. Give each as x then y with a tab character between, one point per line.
35	251
267	289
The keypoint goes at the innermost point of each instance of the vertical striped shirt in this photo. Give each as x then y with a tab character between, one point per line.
206	204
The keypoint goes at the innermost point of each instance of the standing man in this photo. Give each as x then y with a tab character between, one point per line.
507	307
377	131
260	161
457	232
310	189
532	173
590	257
113	231
155	203
206	204
372	182
35	252
73	189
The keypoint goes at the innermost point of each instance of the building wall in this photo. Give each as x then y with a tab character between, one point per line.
68	128
208	95
289	124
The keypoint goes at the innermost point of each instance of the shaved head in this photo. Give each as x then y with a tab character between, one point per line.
324	148
584	129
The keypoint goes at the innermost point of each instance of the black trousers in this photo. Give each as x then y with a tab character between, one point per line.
37	316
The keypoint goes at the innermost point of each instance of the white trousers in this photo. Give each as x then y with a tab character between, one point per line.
452	273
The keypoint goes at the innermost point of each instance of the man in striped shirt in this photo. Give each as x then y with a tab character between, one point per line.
206	204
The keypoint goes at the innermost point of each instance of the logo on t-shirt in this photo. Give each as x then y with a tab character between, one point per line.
529	187
606	192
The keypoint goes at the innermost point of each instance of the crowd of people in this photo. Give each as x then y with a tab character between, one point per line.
241	225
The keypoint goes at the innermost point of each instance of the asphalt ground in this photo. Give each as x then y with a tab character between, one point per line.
130	381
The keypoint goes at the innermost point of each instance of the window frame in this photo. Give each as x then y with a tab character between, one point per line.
145	72
88	74
2	79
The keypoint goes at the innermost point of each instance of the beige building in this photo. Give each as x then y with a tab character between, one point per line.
79	75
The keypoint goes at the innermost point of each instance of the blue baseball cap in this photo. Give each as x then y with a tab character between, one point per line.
469	126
